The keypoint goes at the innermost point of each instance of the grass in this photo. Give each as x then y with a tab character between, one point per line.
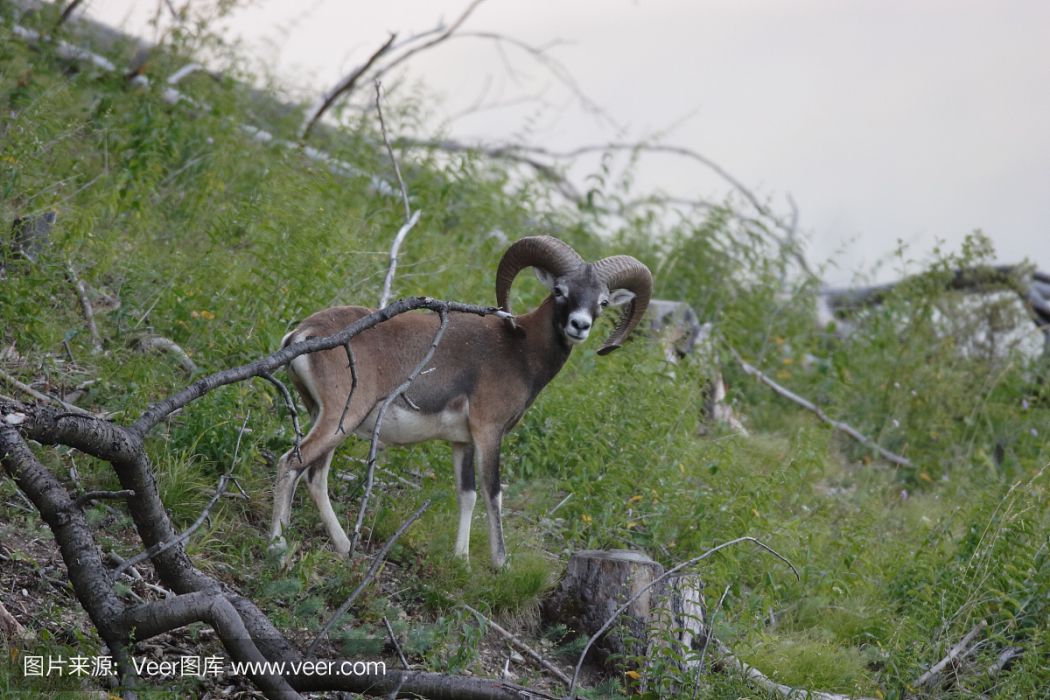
222	244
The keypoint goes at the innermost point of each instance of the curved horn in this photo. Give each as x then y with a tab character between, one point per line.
625	272
546	252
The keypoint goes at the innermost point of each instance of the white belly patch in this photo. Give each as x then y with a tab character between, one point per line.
406	426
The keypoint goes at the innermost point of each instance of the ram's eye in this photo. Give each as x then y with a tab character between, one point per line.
605	302
558	292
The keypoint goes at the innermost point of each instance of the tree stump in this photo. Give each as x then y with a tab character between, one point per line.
681	335
31	234
596	583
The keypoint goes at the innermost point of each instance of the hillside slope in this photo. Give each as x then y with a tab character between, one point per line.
184	227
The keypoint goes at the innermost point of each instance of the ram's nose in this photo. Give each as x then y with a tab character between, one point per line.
578	327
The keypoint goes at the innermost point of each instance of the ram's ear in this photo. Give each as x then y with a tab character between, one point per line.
619	297
545	277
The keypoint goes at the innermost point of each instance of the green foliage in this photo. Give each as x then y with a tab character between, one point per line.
221	244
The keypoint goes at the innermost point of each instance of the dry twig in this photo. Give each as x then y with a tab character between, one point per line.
66	13
522	646
398	240
753	675
369	575
410	218
442	36
85	302
88	496
10	628
1006	656
345	87
960	650
51	400
289	403
393	640
373	448
819	413
158	343
351	362
707	639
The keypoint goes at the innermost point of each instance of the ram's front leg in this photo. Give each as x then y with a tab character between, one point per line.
463	464
486	450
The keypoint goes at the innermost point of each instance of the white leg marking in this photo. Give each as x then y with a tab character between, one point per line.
463	466
466	510
495	512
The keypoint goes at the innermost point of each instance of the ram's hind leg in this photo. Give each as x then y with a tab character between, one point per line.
290	469
316	453
317	482
317	450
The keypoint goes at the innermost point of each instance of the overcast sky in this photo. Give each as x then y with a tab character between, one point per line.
884	120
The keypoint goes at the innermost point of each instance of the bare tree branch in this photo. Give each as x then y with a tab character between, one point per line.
960	650
369	575
64	49
442	36
509	153
410	218
1006	656
224	481
289	403
10	628
69	526
669	149
161	409
819	413
531	157
39	396
557	69
1020	279
157	343
66	13
710	621
152	619
351	362
93	585
392	268
390	152
345	87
